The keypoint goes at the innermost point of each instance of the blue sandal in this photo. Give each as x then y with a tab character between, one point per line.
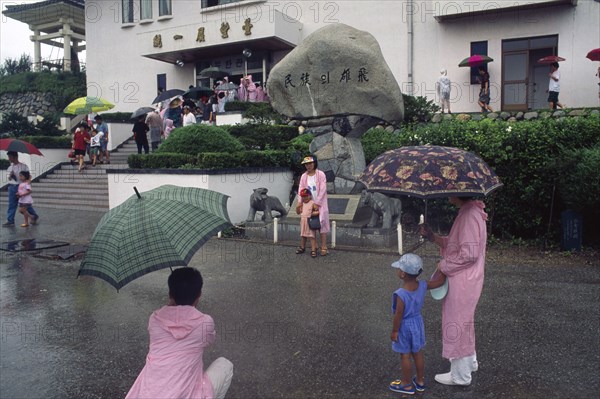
397	386
419	388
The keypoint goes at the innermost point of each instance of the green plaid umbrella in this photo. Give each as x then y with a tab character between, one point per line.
161	228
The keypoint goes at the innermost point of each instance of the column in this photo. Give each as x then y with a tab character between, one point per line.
264	71
37	51
67	47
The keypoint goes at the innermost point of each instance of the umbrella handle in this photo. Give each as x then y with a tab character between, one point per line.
137	193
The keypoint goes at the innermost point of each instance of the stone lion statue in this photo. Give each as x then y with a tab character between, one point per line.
388	208
260	201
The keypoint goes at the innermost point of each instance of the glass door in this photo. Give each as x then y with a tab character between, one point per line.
515	79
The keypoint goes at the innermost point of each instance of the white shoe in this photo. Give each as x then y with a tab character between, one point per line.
446	379
475	366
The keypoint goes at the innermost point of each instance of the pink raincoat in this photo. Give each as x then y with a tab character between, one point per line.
251	89
320	199
463	251
174	367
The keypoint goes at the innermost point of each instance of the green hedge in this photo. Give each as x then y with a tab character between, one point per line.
232	106
194	139
524	154
262	137
4	164
211	160
160	161
49	141
117	117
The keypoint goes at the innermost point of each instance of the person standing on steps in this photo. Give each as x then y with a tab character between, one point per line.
140	130
13	171
102	127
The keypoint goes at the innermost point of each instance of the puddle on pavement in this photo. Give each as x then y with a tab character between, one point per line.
30	244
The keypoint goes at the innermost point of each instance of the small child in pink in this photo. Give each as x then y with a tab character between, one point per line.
306	209
24	194
168	128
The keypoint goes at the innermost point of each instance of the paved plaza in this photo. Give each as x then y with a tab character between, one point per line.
294	327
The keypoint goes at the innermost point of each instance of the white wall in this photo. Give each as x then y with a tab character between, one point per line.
238	186
118	133
38	165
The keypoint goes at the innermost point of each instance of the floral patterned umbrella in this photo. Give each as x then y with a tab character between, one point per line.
430	171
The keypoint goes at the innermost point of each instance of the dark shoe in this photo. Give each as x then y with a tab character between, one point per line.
313	254
34	220
419	388
8	224
300	250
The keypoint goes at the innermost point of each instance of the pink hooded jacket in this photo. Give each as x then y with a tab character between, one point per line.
174	367
464	252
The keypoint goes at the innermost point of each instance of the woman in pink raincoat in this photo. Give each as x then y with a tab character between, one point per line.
463	252
315	180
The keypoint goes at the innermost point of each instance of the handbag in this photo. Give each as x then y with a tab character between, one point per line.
71	154
314	223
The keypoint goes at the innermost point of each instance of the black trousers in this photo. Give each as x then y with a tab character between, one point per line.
143	144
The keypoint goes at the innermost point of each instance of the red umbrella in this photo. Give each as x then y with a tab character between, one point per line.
475	61
594	55
19	146
550	59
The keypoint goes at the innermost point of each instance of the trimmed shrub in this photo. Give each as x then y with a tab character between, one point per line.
262	137
418	109
49	141
263	113
16	125
4	164
160	161
521	153
197	138
117	117
232	106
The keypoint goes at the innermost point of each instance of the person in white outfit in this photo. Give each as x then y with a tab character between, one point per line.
443	87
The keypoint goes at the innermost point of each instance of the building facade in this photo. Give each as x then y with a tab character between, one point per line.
137	47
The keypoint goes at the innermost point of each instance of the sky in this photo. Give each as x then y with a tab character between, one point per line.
14	37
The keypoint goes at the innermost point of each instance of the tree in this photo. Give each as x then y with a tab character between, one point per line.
14	66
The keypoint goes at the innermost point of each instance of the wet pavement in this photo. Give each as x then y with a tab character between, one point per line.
293	326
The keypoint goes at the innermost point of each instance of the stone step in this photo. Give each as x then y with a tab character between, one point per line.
77	195
44	189
71	171
70	186
63	203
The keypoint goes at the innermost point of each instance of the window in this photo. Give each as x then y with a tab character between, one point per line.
478	48
146	9
164	7
161	82
213	3
127	11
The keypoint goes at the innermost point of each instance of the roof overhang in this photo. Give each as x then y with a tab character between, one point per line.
46	14
185	43
449	10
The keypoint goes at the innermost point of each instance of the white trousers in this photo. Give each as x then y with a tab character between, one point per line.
220	373
461	369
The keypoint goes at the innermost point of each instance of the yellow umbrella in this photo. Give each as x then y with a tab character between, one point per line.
87	105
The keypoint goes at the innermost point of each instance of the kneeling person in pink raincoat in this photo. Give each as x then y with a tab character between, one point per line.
179	333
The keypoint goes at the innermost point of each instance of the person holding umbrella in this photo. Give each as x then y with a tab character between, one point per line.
13	171
484	92
554	86
463	252
140	130
316	181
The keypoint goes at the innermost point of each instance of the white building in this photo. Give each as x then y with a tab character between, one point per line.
135	47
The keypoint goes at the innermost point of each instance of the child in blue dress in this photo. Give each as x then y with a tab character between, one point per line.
408	332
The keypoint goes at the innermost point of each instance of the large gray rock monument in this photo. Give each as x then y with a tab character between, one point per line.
338	75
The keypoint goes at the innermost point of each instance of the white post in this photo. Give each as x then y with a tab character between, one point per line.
400	245
66	47
275	230
421	222
37	51
264	71
333	233
219	234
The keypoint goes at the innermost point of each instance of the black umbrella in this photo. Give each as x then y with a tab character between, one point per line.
197	92
213	72
167	95
141	111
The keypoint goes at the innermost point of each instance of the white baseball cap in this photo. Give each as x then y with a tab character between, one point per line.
409	263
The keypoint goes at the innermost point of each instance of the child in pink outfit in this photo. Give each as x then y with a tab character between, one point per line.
24	194
168	128
306	209
179	333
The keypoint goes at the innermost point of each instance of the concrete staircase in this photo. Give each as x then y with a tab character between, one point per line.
66	188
